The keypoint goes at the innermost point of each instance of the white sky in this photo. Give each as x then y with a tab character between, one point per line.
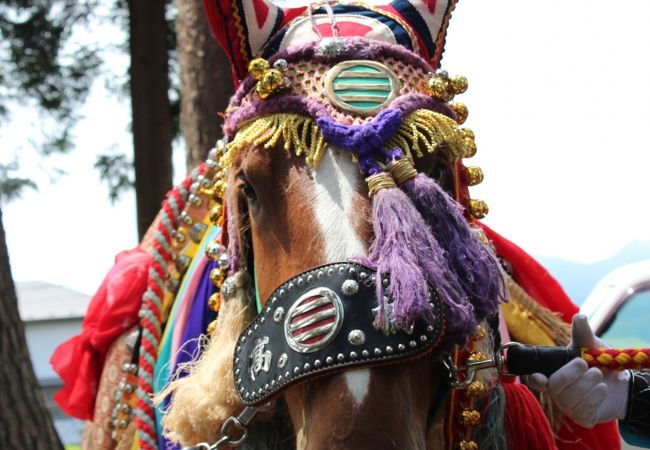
559	99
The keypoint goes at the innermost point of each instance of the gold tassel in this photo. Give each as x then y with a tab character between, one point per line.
531	323
298	133
425	129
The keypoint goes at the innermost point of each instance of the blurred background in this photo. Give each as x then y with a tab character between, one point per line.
559	100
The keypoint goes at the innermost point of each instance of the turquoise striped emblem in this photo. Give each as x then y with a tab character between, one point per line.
362	87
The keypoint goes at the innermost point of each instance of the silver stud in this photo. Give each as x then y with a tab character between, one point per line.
307	366
296	370
278	314
384	281
255	327
247	395
429	328
341	270
329	360
272	383
317	363
274	300
350	287
413	344
389	349
280	64
340	357
259	391
238	380
282	361
357	337
310	278
330	272
287	374
365	353
186	218
281	293
243	339
352	271
236	371
290	286
266	387
280	378
353	355
424	338
401	347
300	281
320	274
237	359
241	389
249	332
363	276
262	319
377	351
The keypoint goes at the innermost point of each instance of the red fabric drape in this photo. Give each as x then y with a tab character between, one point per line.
541	285
112	311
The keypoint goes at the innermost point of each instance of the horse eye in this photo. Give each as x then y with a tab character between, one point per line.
249	192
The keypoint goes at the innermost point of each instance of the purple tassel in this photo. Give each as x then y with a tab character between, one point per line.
405	250
476	268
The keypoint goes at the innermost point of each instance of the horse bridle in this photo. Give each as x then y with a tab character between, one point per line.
321	321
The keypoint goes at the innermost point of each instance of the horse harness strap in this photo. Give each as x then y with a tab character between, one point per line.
320	322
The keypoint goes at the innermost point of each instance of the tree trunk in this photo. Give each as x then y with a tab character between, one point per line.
152	117
206	81
24	420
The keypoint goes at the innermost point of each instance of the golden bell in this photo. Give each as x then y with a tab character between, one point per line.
459	84
214	302
470	417
215	214
475	389
479	334
470	147
219	187
461	112
212	327
477	208
262	90
476	357
473	175
217	275
257	67
438	87
468	134
468	445
273	79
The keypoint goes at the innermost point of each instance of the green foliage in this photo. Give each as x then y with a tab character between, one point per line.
116	171
11	187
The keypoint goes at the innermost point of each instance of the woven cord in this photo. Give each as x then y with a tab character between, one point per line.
617	359
151	311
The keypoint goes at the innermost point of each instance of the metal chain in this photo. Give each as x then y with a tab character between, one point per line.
234	430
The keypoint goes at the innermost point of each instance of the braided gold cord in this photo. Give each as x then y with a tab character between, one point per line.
617	359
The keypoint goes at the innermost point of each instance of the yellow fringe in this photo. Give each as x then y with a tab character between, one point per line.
298	133
421	129
427	129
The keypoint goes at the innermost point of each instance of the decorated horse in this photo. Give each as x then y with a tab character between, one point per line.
323	281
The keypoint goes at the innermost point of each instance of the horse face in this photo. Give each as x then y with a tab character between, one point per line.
290	219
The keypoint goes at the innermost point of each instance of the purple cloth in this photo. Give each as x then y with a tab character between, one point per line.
200	317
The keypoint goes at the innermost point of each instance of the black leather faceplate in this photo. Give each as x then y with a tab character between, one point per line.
334	305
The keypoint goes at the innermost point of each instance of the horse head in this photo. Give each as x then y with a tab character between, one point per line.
352	266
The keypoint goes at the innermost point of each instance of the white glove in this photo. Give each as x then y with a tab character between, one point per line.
587	395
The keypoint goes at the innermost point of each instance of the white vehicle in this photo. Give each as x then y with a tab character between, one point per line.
618	307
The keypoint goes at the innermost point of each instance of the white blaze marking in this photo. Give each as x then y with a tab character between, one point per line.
358	382
335	183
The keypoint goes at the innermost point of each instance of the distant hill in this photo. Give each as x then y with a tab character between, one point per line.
578	279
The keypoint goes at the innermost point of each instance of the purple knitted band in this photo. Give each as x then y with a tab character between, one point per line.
367	140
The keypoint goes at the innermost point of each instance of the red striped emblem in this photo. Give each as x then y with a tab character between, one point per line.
313	320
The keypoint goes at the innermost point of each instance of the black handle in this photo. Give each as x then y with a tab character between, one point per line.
529	359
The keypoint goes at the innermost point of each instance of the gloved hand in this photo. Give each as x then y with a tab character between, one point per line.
587	395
